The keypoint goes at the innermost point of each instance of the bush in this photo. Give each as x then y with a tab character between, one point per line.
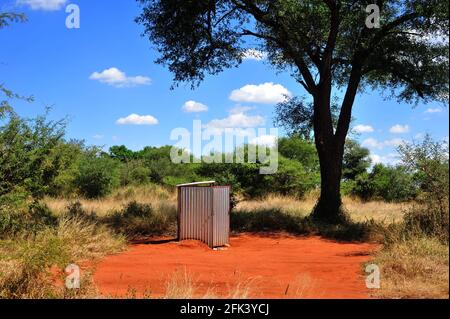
134	173
97	176
392	184
27	221
428	160
28	160
137	219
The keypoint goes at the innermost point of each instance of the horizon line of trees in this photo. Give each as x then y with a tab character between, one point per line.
36	160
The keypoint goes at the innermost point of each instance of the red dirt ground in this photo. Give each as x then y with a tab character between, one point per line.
271	266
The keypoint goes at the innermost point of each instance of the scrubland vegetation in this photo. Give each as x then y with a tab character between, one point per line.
63	202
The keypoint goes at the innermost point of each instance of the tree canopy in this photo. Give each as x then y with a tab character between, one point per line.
308	38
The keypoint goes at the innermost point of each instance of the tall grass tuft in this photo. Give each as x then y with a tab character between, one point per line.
28	261
136	219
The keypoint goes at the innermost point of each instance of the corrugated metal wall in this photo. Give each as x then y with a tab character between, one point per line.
221	215
203	214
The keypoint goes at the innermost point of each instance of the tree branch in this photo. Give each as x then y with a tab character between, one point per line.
345	115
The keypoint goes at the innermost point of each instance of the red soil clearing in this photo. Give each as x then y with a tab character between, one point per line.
270	266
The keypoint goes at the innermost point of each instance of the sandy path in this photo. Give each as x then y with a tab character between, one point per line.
273	266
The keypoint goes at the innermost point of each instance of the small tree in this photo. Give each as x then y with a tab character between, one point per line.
356	160
323	43
429	161
97	176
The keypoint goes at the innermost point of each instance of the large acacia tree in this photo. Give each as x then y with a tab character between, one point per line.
326	46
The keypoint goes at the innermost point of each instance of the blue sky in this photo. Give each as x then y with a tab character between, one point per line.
103	72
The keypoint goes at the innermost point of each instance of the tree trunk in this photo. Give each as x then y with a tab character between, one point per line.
329	206
331	151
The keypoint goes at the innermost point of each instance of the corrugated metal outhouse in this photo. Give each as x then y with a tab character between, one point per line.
204	213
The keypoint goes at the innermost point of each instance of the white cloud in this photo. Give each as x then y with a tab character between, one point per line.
98	136
114	77
253	54
47	5
394	142
240	109
374	143
268	140
192	106
363	128
433	110
240	120
399	129
266	93
389	159
136	119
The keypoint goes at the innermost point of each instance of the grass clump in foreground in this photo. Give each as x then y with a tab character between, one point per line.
414	261
417	267
32	264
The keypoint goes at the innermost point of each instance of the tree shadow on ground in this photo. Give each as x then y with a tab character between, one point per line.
266	221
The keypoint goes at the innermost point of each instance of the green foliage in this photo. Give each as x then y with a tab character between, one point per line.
291	179
16	220
134	173
122	153
323	44
194	38
428	160
97	176
387	183
6	18
301	150
28	161
356	160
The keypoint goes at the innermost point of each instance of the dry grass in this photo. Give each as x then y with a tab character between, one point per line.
302	287
158	196
417	268
359	211
150	194
32	266
182	285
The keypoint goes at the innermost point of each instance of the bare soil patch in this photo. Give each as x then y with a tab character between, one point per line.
266	266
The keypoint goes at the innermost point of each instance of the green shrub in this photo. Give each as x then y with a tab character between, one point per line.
428	160
97	176
16	220
134	173
392	184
